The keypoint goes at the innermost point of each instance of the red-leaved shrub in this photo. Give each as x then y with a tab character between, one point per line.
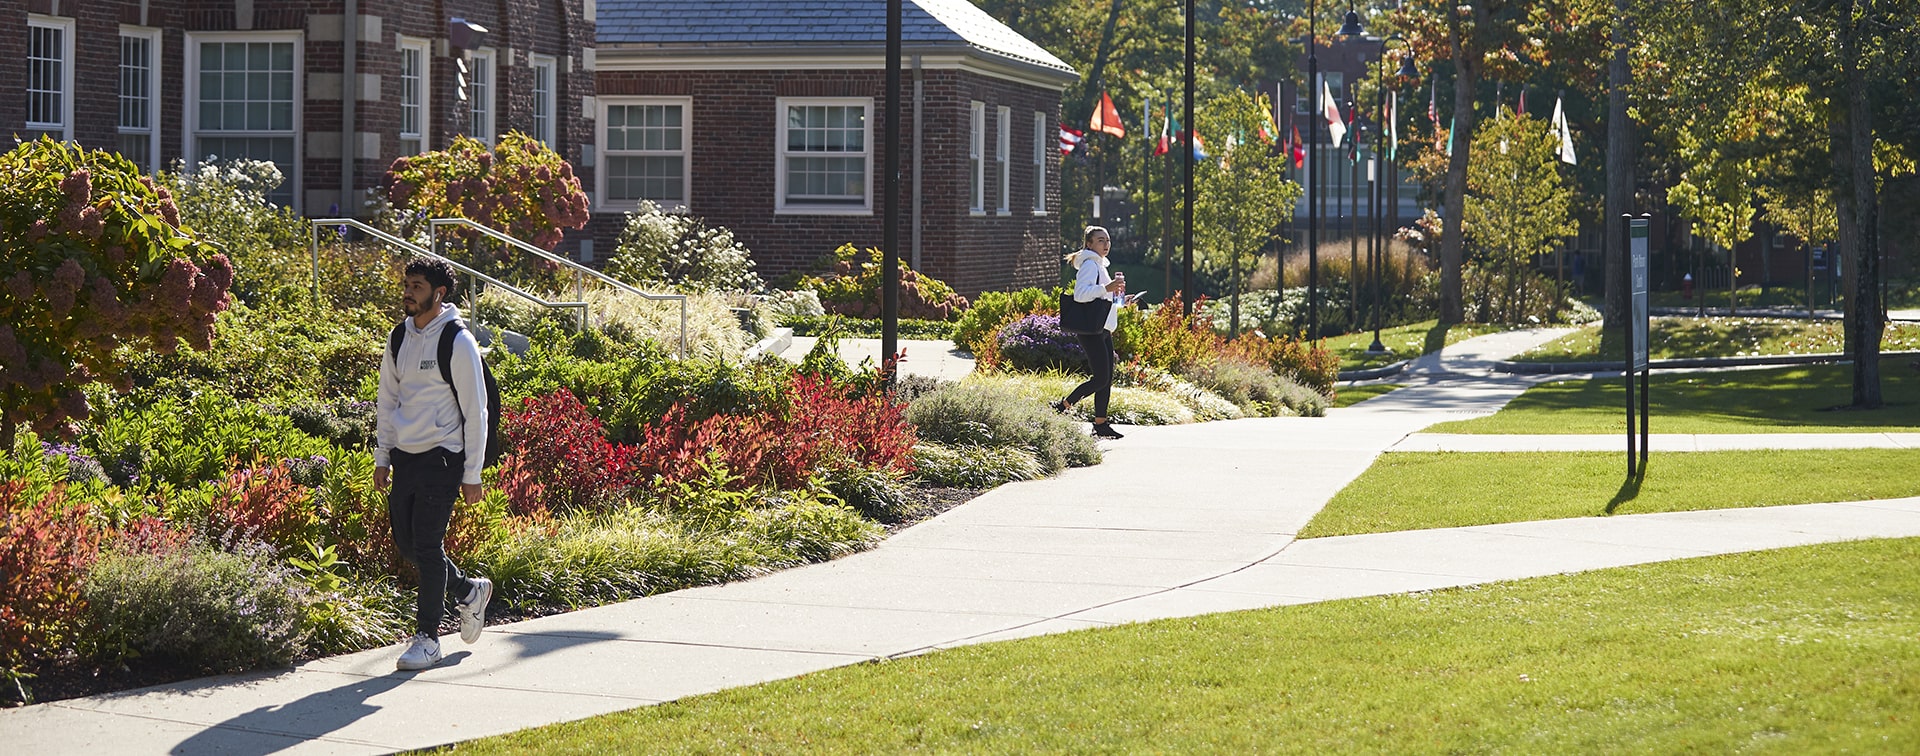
262	504
561	457
825	423
45	551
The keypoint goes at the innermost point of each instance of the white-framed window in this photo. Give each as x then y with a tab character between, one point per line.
49	77
644	152
1039	163
140	96
243	90
545	102
480	111
1002	157
824	149
976	154
415	76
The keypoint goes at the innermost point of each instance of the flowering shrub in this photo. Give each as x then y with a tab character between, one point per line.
851	286
992	309
561	459
1036	343
519	186
226	199
682	252
96	259
212	609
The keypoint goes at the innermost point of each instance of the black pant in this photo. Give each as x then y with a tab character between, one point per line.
1099	349
420	505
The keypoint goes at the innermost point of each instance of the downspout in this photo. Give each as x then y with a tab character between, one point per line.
917	121
349	97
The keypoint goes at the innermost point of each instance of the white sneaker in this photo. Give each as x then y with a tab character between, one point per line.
473	611
422	653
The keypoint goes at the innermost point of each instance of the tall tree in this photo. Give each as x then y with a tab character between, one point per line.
1242	194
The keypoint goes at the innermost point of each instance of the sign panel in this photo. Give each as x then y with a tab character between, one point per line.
1637	267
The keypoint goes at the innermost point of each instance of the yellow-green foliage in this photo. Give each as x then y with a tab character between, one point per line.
851	286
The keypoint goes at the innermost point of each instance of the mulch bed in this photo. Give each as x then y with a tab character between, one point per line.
71	678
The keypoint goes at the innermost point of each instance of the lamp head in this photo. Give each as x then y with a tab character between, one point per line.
1352	27
1407	69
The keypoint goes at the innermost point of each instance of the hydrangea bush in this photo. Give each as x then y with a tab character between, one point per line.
96	258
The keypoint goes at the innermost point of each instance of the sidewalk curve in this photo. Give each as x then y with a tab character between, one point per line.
1179	520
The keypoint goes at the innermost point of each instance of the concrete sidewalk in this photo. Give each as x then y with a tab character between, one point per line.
1179	520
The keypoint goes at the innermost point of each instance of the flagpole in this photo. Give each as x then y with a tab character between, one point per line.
1313	178
890	225
1186	263
1146	176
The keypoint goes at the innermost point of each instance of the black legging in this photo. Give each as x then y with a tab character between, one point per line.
1099	349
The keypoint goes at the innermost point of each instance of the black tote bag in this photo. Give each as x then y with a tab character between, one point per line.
1083	317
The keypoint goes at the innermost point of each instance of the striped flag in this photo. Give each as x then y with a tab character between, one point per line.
1069	139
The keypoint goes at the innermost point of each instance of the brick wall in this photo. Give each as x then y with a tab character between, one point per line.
519	27
733	153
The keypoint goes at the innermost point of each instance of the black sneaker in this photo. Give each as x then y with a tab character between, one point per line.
1103	430
1058	406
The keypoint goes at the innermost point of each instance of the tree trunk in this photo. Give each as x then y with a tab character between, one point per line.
1096	79
1620	162
1452	242
1859	210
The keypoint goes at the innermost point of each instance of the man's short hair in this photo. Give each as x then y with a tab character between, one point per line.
437	272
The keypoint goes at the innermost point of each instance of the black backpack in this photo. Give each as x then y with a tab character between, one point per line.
448	333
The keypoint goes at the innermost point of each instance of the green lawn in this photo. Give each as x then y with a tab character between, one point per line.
1415	490
1347	396
1797	650
1672	338
1402	342
1775	400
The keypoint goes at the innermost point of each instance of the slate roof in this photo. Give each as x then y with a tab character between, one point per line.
733	25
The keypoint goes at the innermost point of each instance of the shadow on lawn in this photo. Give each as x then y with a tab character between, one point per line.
1629	489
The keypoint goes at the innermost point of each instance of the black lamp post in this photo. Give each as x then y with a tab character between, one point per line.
1407	71
1349	29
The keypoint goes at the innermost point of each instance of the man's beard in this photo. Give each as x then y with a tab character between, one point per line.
413	310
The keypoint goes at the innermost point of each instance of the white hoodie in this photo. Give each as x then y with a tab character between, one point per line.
417	410
1090	283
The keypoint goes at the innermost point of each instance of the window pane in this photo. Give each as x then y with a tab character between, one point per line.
46	75
657	178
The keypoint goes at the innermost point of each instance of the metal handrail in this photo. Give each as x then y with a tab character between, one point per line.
578	269
313	246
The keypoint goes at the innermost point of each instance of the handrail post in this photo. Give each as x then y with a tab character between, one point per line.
313	246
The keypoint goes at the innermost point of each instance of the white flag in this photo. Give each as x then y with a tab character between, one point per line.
1565	150
1336	129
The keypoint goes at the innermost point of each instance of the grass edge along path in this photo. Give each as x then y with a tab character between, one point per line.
1347	396
1673	337
1797	399
1418	490
1403	342
1798	650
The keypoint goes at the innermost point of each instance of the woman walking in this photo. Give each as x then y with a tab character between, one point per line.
1091	281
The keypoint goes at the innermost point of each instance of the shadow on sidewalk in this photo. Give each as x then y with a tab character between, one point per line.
271	729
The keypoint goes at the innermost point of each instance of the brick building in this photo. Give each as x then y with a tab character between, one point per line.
329	90
767	117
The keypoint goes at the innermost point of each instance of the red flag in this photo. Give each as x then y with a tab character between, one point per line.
1522	110
1106	118
1299	149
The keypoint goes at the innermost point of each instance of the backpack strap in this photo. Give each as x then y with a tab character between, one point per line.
393	341
449	333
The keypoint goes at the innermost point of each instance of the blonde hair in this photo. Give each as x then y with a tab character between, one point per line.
1086	240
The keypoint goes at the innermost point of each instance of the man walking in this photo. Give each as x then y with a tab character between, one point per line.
431	439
